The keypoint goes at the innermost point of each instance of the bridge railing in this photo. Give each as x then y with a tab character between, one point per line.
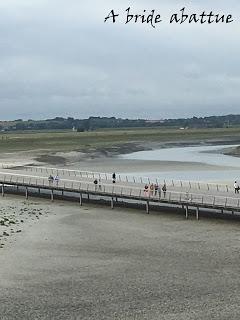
130	179
126	191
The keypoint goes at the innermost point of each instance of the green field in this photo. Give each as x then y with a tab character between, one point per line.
87	141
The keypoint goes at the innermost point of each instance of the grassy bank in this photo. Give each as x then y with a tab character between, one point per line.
87	141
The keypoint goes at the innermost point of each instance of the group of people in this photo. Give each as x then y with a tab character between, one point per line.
97	182
53	179
155	189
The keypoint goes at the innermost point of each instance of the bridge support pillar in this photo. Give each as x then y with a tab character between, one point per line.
3	194
26	193
186	212
112	203
52	197
88	196
197	213
80	199
147	207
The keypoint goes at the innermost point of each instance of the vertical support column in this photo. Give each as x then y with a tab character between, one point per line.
26	193
3	194
88	196
147	207
112	203
52	198
80	199
186	212
197	213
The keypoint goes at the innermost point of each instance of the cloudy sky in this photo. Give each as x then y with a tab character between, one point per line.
59	58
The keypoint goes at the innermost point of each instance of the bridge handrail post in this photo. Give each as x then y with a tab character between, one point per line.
169	198
226	202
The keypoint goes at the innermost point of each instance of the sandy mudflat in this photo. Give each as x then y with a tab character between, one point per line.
126	165
17	214
97	263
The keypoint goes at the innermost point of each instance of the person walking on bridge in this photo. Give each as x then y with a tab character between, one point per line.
114	177
236	187
164	189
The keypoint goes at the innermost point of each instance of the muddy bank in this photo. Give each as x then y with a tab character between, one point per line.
39	157
234	152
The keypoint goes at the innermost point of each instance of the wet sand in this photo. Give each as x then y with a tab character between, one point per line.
96	263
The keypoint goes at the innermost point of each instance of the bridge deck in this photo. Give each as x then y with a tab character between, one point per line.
79	183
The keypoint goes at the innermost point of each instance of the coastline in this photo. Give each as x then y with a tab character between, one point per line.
68	158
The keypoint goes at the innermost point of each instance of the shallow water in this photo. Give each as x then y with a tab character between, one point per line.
210	155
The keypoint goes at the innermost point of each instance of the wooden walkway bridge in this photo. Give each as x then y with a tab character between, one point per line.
79	185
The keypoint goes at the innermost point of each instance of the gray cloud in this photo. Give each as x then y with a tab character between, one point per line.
59	58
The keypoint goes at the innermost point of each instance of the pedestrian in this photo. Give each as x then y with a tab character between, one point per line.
50	179
95	183
164	189
236	187
151	189
146	190
156	188
56	178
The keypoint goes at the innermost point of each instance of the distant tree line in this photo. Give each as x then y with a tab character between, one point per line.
93	123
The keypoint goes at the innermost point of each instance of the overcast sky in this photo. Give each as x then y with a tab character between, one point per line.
59	58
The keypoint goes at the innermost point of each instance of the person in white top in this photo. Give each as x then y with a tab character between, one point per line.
56	179
236	187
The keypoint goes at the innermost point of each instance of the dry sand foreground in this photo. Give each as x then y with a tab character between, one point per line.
97	263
